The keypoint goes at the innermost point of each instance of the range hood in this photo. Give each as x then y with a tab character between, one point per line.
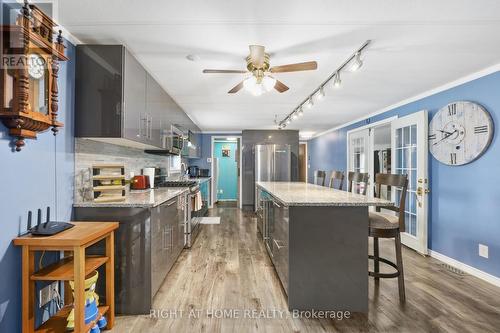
162	152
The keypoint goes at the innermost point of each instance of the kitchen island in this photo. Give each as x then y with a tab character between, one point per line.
317	239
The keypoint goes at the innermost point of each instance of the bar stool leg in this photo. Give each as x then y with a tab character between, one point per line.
399	261
376	266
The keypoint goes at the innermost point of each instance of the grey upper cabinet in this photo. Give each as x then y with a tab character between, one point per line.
156	111
118	101
136	122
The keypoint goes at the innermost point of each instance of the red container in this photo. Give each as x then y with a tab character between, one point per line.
140	182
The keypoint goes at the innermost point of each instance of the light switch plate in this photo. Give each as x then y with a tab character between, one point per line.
483	251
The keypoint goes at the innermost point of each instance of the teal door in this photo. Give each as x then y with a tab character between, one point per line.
227	182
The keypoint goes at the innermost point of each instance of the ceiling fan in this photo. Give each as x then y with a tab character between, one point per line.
261	79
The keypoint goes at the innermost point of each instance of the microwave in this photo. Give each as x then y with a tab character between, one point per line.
173	140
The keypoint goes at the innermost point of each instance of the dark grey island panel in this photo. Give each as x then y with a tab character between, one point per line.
317	239
328	258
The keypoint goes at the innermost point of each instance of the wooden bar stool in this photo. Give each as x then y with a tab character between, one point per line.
319	177
360	178
383	225
336	175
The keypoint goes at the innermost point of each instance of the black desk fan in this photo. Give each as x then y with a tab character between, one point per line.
48	228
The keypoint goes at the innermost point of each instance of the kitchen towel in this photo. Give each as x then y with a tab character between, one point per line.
210	220
198	202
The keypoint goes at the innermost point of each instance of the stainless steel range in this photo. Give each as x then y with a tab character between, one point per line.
192	224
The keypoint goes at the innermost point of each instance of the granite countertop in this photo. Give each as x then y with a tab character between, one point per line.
140	199
305	194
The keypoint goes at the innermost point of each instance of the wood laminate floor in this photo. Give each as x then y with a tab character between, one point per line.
228	268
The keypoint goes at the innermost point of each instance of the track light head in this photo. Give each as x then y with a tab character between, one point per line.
320	94
357	62
337	82
309	104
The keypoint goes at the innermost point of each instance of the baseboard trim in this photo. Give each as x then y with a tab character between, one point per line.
466	268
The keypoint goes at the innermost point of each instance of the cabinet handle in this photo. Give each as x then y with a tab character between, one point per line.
277	244
150	131
171	238
170	203
274	202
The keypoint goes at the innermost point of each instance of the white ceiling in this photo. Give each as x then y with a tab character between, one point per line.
417	46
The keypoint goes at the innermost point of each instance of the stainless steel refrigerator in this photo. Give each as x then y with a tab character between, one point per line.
273	163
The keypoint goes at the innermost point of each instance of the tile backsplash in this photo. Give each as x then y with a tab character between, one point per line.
89	152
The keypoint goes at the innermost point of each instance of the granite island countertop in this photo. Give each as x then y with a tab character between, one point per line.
305	194
140	199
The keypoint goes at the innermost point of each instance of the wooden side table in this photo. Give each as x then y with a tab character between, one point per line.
75	267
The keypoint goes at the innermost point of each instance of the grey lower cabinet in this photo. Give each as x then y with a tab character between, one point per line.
276	237
167	239
147	244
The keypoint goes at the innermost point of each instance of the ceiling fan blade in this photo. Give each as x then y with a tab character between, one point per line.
224	71
236	88
280	86
257	53
303	66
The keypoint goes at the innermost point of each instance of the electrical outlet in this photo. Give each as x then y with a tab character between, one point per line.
48	293
44	296
483	251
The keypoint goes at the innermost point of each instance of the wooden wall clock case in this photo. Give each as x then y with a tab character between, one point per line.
32	37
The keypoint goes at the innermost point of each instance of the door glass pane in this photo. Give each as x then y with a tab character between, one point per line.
406	164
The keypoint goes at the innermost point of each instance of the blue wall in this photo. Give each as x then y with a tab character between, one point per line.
228	171
464	200
40	175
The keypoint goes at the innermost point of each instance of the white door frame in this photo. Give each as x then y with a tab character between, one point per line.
421	118
371	145
222	138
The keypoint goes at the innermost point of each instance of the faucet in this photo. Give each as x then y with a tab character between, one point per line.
183	170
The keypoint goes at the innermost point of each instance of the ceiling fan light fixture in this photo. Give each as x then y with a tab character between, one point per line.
268	82
250	83
357	63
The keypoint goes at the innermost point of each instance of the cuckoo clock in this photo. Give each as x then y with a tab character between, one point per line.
30	65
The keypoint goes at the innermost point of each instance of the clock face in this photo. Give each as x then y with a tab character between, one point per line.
36	66
460	132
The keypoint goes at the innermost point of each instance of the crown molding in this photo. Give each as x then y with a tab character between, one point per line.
221	132
444	87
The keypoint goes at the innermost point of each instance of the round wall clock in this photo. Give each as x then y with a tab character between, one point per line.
36	66
460	132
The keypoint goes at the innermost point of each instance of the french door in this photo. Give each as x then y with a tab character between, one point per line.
410	152
359	145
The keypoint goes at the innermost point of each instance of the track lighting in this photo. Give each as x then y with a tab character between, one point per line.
353	63
337	82
357	62
320	94
309	104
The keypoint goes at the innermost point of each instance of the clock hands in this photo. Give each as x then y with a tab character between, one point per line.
449	133
446	136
